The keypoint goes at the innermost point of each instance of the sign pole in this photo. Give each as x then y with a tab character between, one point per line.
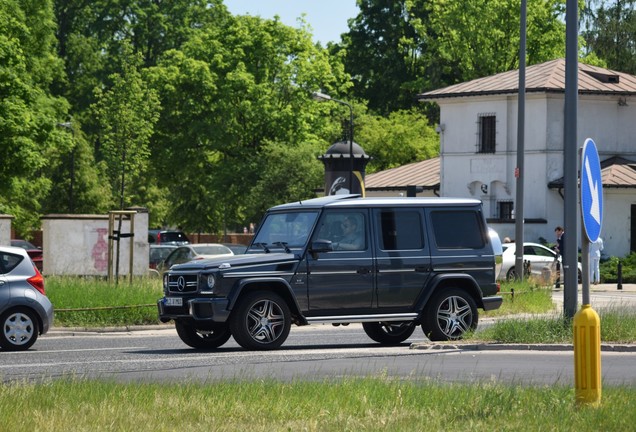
587	324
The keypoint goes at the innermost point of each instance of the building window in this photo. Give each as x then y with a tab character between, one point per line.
487	132
506	209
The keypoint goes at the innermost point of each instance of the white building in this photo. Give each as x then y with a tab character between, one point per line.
478	142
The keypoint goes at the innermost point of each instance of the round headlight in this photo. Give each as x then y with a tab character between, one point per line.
211	281
165	282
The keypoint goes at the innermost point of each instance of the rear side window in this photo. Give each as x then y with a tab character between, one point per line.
8	262
400	230
457	230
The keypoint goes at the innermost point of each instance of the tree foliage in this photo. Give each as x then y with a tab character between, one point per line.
208	116
610	33
28	111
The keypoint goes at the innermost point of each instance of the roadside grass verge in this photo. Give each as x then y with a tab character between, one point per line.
359	404
526	297
66	292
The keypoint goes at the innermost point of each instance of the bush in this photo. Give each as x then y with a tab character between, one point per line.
609	269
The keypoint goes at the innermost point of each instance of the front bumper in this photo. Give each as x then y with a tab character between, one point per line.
199	309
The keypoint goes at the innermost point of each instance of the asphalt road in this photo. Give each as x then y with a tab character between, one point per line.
310	353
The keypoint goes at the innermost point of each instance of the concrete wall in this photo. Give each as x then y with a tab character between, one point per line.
78	245
5	229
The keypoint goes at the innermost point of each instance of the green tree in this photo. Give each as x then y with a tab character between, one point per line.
383	53
231	93
481	37
400	138
610	34
126	113
28	111
396	49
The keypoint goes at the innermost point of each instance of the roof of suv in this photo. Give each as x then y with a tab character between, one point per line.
358	201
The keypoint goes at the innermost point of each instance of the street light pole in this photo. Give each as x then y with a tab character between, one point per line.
325	97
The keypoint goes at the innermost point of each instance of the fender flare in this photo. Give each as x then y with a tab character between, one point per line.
466	281
287	294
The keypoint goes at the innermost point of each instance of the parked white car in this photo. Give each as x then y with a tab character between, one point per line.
538	255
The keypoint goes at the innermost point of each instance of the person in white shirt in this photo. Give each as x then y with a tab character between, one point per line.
595	260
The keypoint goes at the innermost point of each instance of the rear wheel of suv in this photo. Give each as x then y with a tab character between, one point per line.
389	333
449	314
19	329
210	338
261	321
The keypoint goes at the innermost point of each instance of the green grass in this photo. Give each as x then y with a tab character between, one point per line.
369	404
87	293
528	298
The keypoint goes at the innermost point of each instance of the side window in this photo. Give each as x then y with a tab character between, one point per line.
346	230
400	230
487	133
8	262
457	229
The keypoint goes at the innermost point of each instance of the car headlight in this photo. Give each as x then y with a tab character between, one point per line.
210	282
165	282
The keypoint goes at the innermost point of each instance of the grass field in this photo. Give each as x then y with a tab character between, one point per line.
370	404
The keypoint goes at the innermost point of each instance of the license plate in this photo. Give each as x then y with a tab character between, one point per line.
174	301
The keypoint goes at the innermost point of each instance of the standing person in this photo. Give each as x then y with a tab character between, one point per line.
559	249
595	260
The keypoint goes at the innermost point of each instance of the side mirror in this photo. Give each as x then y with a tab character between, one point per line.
320	246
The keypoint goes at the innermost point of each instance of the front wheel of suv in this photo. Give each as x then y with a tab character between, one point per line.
261	321
389	333
449	314
210	338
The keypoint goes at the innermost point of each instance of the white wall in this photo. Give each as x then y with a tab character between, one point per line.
5	229
78	245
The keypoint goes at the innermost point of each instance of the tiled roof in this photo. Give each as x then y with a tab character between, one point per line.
543	77
425	174
616	172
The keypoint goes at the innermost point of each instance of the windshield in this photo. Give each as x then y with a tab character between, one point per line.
291	229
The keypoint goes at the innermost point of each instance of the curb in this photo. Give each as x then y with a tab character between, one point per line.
123	329
515	347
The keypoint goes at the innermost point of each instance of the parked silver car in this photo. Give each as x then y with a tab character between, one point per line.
25	311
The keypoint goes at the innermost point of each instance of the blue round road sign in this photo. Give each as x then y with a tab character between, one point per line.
591	191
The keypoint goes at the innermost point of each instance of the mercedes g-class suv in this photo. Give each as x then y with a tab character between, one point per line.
389	263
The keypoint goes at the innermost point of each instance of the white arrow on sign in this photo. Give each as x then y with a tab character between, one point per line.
595	211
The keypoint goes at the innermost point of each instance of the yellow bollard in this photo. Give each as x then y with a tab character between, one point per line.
587	356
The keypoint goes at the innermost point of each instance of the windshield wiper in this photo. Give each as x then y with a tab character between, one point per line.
263	245
283	245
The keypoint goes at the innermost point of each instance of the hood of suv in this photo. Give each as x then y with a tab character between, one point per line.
236	261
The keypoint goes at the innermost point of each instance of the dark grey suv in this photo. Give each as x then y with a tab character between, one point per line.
389	263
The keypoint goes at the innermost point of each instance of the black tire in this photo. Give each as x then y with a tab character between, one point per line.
210	338
511	275
261	321
19	329
449	314
389	333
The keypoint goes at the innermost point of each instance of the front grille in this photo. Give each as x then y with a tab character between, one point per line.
182	283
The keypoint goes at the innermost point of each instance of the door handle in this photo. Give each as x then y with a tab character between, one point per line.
423	269
363	270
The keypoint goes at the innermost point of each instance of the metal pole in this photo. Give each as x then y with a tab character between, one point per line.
570	160
521	124
350	148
